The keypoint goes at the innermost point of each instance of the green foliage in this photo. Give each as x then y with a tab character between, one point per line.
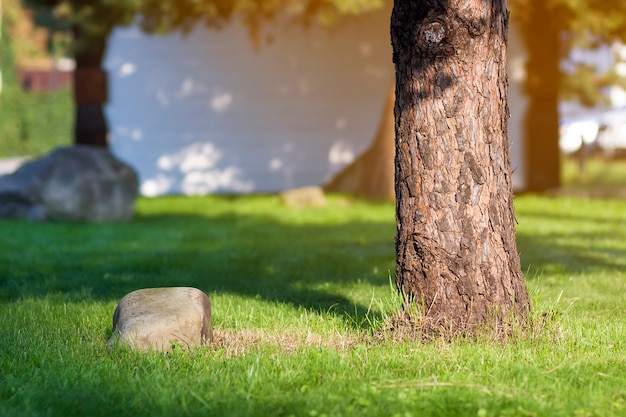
578	23
34	124
586	86
582	23
30	124
158	16
297	296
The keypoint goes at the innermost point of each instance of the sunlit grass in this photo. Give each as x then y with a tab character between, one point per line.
297	297
598	177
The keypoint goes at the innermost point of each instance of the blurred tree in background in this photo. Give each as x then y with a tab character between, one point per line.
550	30
578	24
91	22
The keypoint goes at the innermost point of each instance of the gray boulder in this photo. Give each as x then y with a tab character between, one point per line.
157	318
78	183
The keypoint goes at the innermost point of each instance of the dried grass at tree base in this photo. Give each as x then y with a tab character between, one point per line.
237	343
404	327
397	328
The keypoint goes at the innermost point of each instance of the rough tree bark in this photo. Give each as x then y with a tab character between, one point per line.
371	175
90	89
457	259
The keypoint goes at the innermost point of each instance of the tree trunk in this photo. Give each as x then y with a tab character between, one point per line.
90	89
541	124
456	254
370	176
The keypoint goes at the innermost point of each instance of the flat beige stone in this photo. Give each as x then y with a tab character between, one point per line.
304	197
157	318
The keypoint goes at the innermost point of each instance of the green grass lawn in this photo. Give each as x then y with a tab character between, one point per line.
297	297
600	177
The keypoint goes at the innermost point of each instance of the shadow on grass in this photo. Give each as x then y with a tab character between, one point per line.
257	256
324	266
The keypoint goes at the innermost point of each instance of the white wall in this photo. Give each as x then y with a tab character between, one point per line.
208	113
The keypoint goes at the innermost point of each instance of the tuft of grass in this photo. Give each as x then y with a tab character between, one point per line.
298	296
